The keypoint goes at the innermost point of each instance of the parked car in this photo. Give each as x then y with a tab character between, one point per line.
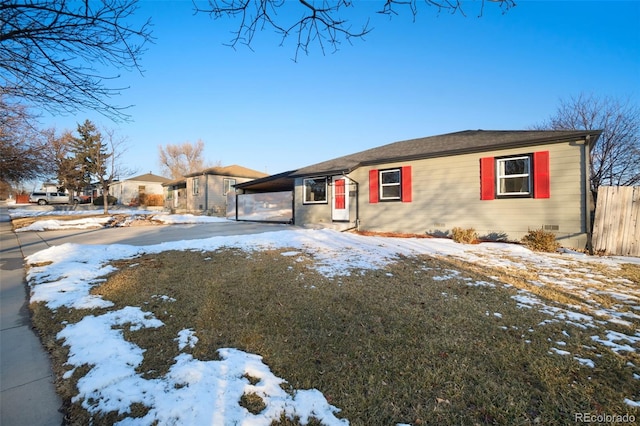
43	198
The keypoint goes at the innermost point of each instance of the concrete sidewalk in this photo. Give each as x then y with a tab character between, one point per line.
28	395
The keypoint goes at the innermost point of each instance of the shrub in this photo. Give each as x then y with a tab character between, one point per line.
99	201
154	200
541	240
464	236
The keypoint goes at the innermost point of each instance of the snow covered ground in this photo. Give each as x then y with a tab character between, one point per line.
204	392
86	218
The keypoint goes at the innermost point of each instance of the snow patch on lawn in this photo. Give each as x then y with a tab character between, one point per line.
209	392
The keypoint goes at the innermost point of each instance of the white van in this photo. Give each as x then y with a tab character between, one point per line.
43	198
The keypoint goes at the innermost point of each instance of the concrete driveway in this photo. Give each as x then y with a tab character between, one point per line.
30	242
28	391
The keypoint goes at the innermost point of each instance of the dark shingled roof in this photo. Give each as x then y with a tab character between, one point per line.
468	141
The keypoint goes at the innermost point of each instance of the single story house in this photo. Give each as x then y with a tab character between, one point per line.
205	191
175	195
501	183
134	191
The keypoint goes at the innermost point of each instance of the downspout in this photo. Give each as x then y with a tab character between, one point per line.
588	196
357	221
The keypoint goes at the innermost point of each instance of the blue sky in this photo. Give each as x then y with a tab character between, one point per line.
406	80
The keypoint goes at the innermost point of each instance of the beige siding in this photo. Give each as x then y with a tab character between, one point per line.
210	198
310	214
216	200
195	202
446	194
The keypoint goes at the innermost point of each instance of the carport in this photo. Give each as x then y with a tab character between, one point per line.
268	199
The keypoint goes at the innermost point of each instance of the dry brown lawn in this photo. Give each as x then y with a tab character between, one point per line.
399	345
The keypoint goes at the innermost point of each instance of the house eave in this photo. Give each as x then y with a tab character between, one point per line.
274	183
334	172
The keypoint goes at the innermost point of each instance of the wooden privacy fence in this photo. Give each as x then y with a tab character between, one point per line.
616	229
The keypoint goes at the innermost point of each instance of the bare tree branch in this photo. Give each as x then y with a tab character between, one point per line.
320	22
181	159
53	53
615	159
22	147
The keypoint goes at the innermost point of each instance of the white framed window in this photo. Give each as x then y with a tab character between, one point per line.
315	190
390	184
514	176
195	189
228	186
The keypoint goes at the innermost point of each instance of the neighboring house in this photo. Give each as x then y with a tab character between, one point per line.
206	191
501	183
135	190
175	195
50	187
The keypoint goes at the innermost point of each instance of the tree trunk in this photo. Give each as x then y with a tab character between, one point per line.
105	199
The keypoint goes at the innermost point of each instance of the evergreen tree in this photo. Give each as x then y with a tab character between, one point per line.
94	158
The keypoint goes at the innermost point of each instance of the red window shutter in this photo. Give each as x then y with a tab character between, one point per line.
541	181
373	186
406	184
487	179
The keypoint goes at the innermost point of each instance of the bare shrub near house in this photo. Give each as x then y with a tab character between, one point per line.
154	200
541	240
464	236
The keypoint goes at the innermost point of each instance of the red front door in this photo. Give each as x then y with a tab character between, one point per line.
340	195
340	204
